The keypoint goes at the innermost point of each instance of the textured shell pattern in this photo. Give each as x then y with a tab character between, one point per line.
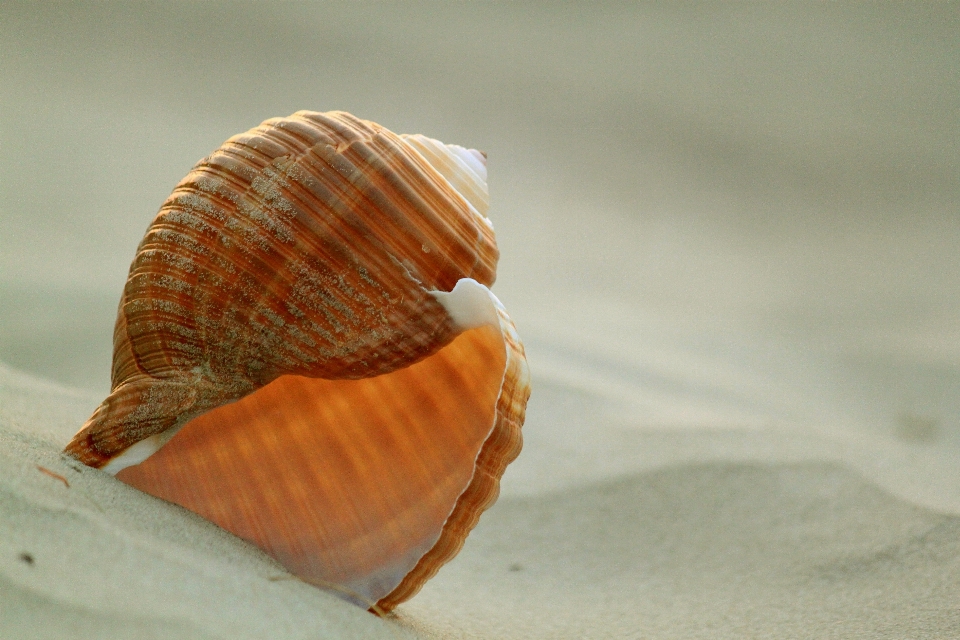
312	246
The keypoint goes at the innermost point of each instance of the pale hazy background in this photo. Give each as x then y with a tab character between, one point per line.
709	215
729	240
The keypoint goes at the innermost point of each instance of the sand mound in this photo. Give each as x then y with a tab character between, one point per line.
704	551
85	556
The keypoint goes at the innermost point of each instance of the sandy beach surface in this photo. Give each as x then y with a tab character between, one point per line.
728	238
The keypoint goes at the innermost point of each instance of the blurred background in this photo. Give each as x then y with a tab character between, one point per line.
710	216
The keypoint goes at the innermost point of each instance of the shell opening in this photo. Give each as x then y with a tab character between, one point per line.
348	482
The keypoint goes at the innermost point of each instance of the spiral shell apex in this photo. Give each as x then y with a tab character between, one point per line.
307	353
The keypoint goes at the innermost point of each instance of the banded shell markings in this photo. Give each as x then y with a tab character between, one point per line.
307	353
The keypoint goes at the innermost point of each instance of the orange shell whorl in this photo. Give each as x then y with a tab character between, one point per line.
282	349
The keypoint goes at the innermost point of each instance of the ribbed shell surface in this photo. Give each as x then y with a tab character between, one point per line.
305	246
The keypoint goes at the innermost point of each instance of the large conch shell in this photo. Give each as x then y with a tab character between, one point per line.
307	353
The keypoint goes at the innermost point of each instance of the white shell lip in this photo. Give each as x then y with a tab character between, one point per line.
137	453
470	304
134	454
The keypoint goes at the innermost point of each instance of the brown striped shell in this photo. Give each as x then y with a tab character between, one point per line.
307	353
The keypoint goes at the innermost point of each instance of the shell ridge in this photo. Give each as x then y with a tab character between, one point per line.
345	125
414	165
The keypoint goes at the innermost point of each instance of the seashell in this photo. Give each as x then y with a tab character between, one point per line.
307	353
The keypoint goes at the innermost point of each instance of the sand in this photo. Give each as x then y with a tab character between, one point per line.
84	556
698	534
728	240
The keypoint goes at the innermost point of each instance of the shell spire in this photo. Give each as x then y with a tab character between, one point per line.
307	353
